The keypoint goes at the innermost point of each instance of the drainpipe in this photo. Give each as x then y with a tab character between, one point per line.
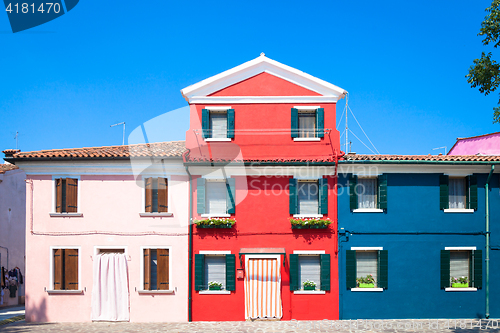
190	241
486	188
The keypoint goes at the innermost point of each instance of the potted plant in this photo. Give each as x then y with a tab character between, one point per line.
310	223
214	285
460	282
215	223
366	282
309	285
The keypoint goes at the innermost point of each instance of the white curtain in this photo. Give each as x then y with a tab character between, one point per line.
110	295
307	125
457	193
367	193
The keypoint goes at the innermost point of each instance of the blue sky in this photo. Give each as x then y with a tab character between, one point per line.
404	63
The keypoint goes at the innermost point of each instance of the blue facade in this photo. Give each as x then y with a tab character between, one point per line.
414	230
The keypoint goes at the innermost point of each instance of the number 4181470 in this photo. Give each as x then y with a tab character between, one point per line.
26	8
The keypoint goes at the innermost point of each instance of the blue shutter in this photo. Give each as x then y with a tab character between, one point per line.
292	189
205	124
230	123
320	122
323	196
231	195
200	195
295	123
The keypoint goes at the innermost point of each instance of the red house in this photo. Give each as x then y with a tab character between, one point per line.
262	152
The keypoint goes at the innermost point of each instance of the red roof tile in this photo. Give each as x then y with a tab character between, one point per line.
7	167
416	158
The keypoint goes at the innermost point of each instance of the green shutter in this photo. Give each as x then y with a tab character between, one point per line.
230	123
320	122
477	274
200	195
199	271
472	202
205	124
382	191
230	272
350	269
444	193
294	272
231	195
325	272
353	196
445	269
383	269
295	123
292	189
323	196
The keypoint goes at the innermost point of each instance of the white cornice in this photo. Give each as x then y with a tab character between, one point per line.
261	99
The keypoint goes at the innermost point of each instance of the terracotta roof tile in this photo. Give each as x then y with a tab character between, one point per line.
262	160
7	167
438	158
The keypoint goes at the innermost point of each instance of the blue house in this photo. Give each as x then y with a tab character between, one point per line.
412	237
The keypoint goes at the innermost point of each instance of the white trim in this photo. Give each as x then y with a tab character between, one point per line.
309	292
170	279
210	216
65	214
457	174
155	292
217	139
214	292
367	289
309	252
458	210
156	214
51	268
306	216
367	249
367	176
368	210
215	178
262	99
263	256
214	252
217	108
307	107
110	247
306	139
460	289
55	292
460	248
358	167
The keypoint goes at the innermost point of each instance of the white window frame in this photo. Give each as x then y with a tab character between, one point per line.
214	292
217	109
309	292
51	289
369	248
171	289
143	212
460	248
214	215
53	212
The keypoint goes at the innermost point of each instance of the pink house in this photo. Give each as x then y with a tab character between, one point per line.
106	233
487	144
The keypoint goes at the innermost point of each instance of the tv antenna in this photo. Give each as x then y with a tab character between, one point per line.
17	140
122	123
445	148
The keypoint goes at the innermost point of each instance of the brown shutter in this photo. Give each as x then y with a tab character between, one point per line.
58	195
58	265
162	195
71	195
147	269
162	273
71	269
149	194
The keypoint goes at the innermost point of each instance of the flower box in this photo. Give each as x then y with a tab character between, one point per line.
366	285
215	223
460	285
227	226
214	288
309	223
298	226
309	287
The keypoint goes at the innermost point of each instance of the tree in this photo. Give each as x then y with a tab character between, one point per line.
485	72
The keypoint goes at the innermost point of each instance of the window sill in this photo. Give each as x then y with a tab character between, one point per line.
66	214
308	216
309	292
367	289
56	292
367	210
214	292
460	289
155	292
215	215
218	140
156	214
459	210
306	139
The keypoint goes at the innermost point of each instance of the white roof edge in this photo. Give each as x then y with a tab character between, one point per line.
256	66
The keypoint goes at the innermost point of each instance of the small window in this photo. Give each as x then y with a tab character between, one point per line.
156	269
367	268
215	270
310	270
307	124
156	195
218	124
458	193
308	196
215	197
367	193
461	268
457	196
65	263
66	195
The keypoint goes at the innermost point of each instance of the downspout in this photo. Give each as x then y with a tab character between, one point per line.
190	241
486	188
339	244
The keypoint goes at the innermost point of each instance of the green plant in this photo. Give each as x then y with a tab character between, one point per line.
309	283
215	284
215	222
462	279
368	279
310	222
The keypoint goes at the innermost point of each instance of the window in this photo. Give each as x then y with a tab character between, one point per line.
463	263
66	195
458	192
156	195
309	267
308	197
368	193
156	269
363	262
215	268
215	197
307	122
217	123
65	264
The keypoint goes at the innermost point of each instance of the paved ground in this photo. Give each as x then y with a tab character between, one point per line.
389	326
9	312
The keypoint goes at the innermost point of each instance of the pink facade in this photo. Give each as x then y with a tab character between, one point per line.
488	144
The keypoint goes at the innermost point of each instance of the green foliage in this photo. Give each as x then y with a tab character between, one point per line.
309	283
215	222
368	279
462	279
311	222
